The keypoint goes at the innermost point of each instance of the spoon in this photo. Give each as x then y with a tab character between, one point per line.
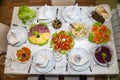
57	13
73	27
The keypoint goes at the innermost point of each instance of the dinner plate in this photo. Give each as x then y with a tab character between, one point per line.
47	20
49	66
17	36
82	52
65	16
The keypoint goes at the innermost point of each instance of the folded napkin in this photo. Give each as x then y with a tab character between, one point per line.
42	60
72	12
17	35
79	60
45	12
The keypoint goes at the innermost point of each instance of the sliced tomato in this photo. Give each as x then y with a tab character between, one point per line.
69	39
97	39
59	36
103	28
67	47
98	34
56	46
25	50
62	32
55	40
107	37
94	29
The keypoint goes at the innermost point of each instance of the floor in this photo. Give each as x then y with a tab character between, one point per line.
6	8
111	3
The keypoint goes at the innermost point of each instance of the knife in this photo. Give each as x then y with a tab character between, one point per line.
30	65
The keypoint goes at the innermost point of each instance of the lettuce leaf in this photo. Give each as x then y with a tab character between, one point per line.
90	37
25	14
98	24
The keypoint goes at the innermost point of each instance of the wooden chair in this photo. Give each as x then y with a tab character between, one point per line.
3	44
3	37
62	2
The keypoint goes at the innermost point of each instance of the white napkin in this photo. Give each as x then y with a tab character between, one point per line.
45	12
17	35
72	12
83	59
42	60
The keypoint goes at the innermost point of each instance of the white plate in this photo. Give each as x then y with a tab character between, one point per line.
26	60
85	35
47	20
107	8
81	52
18	34
50	65
103	64
66	18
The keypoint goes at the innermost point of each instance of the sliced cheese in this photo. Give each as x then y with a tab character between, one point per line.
41	40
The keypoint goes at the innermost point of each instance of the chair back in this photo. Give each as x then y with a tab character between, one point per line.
62	2
3	37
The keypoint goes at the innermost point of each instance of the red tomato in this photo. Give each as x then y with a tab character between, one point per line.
66	47
107	37
69	39
98	34
55	40
62	32
59	36
94	29
56	46
104	28
97	39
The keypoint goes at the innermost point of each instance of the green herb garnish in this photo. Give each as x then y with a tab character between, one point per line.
104	55
79	28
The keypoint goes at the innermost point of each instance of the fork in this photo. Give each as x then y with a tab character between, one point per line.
67	62
90	68
30	65
107	64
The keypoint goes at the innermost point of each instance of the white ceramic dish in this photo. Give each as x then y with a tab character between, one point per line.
49	66
65	16
84	36
26	60
103	64
107	8
82	53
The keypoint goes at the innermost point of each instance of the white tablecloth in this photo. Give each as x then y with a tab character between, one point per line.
18	68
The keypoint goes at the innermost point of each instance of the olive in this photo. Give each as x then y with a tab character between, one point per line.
56	24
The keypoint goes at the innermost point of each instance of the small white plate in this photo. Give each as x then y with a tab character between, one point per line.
85	35
26	60
83	53
66	18
51	63
107	8
103	64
